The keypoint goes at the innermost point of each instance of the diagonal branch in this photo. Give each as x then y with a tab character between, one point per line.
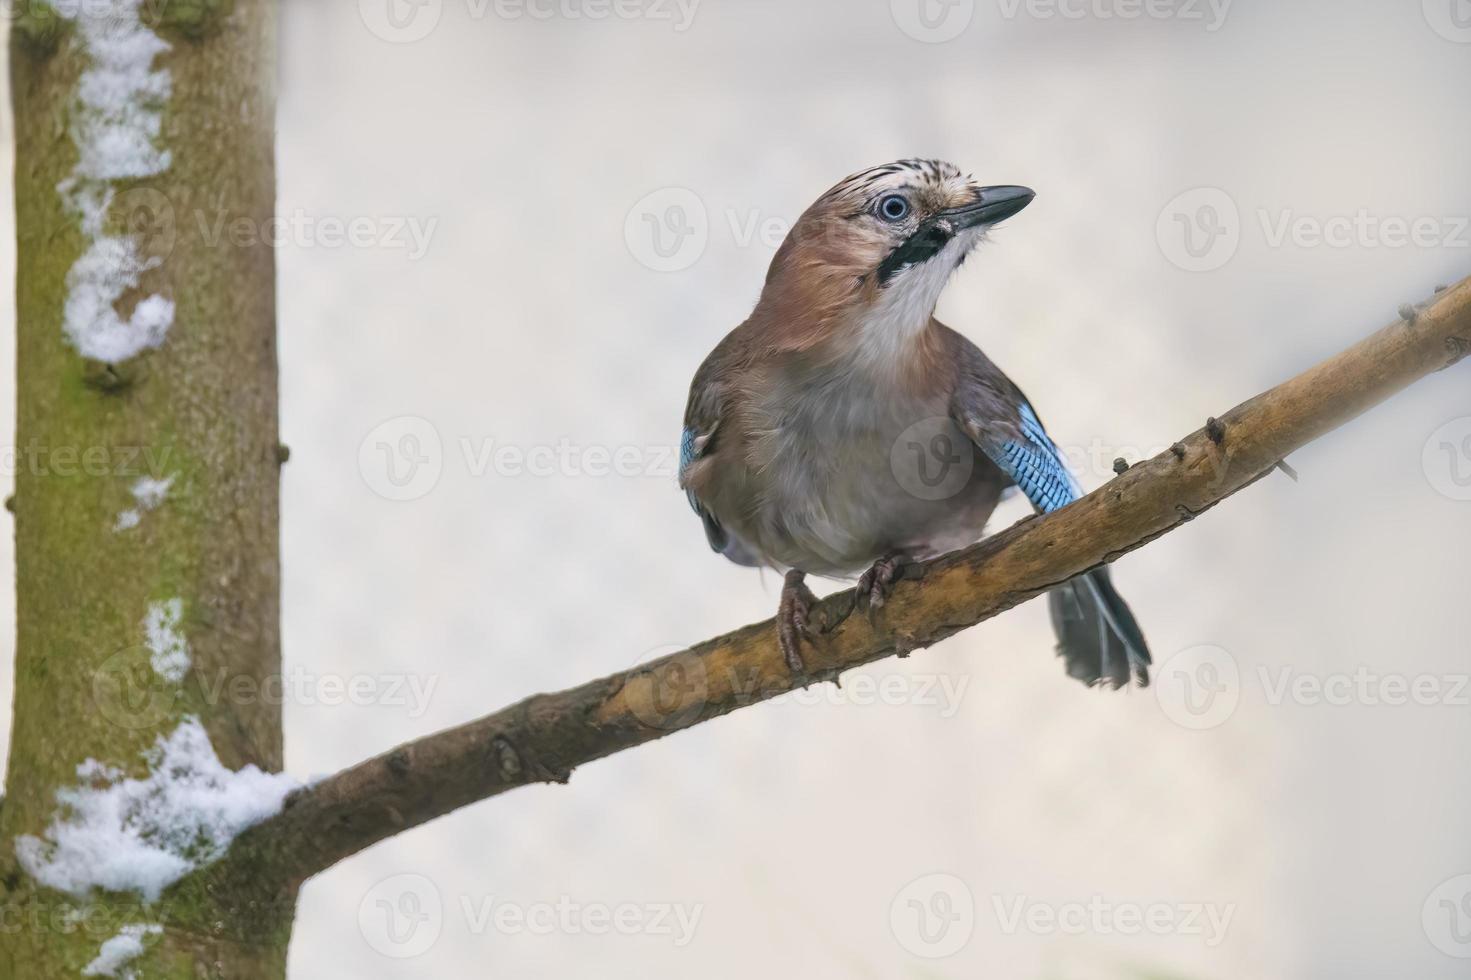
544	737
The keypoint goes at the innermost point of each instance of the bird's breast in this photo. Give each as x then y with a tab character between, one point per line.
847	470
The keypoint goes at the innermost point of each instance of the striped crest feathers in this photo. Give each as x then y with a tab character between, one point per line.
825	270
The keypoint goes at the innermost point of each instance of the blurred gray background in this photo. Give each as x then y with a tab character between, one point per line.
1227	194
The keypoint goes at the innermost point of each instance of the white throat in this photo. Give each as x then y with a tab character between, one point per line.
906	306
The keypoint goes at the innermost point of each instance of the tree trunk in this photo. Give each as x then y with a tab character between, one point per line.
97	554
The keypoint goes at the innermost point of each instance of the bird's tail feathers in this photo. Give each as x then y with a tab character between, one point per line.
1097	635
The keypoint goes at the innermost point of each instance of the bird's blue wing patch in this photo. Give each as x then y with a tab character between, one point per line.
1097	632
687	455
691	448
1036	465
687	451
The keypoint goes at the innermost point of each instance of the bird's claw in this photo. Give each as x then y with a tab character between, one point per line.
795	622
877	583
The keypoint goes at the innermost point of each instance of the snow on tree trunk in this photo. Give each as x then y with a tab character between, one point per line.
146	733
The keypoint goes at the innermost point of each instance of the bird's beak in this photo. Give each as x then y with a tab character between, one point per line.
992	205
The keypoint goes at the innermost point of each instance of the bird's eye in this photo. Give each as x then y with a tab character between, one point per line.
894	208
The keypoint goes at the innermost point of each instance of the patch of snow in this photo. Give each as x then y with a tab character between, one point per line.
95	282
116	121
119	951
149	493
141	835
166	643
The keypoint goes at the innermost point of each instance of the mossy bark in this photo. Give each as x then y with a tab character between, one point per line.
201	409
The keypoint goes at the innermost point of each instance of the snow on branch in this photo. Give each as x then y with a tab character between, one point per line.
122	949
141	835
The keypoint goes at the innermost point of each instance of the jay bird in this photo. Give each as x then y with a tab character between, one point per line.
843	431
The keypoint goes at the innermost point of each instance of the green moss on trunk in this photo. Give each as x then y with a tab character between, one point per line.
203	409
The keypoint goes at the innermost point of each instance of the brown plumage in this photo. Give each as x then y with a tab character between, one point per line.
843	428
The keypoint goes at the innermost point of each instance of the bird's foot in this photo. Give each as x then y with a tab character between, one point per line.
794	620
877	583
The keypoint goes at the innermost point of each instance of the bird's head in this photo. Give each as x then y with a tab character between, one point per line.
884	241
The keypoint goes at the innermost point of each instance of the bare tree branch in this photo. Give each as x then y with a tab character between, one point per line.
544	737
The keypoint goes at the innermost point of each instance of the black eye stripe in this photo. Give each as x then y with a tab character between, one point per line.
922	246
